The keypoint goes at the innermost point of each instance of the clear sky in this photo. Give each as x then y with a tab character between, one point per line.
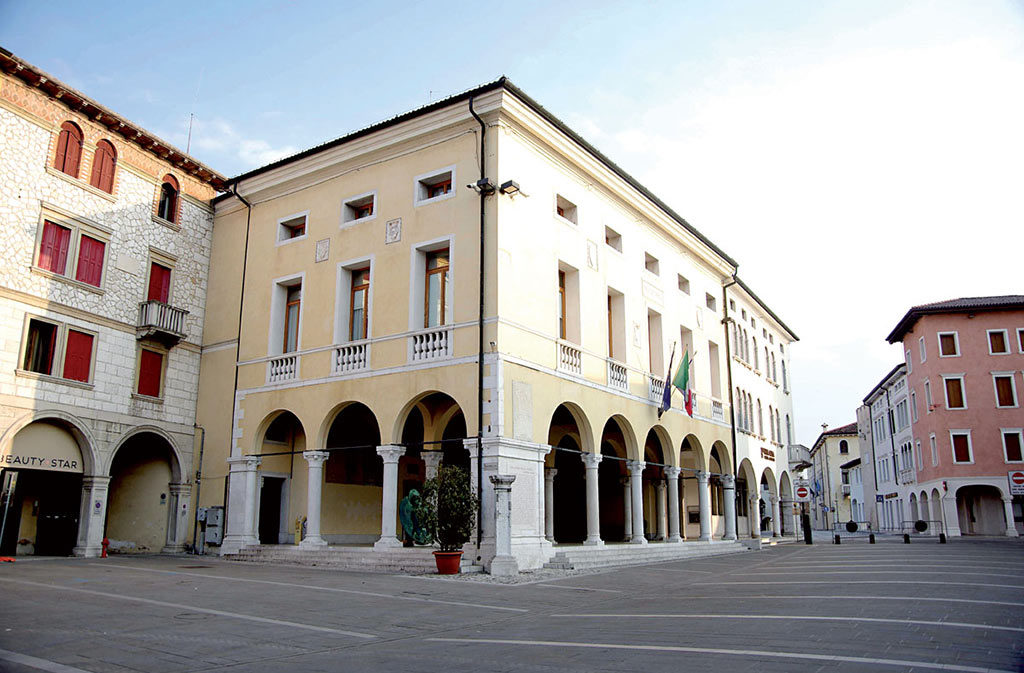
856	158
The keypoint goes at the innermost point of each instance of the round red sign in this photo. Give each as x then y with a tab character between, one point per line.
801	491
1017	478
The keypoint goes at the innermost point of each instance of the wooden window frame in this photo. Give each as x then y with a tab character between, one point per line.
71	129
1012	376
956	344
175	209
58	357
443	271
1019	433
963	390
1006	341
365	287
96	178
138	373
79	228
561	305
289	230
970	446
288	303
353	209
425	186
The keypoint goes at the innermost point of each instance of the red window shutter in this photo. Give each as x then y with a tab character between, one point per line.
74	153
159	283
103	167
150	367
53	249
62	149
90	261
78	356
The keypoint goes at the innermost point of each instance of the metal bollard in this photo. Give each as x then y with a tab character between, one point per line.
871	538
837	540
906	538
942	538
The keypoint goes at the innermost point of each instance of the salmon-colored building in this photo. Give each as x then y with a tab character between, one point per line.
965	371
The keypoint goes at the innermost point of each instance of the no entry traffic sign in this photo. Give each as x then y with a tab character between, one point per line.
1016	478
802	493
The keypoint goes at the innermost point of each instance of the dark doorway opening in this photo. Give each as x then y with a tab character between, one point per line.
270	510
43	510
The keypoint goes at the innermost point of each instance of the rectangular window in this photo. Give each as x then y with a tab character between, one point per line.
949	344
78	356
40	346
1012	446
616	325
961	442
151	366
436	288
910	364
159	283
710	302
358	304
655	343
561	306
612	239
913	406
1020	340
565	209
651	264
1006	393
955	392
53	249
928	395
935	450
998	344
920	463
293	302
361	207
291	227
434	186
90	261
922	349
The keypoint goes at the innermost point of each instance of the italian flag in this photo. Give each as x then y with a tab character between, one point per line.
682	382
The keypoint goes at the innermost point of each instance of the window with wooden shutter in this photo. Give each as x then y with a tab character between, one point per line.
103	163
167	208
40	347
90	261
151	366
1011	444
78	356
1005	396
961	448
53	248
159	283
69	149
954	394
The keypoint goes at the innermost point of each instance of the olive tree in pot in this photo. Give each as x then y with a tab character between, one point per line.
448	512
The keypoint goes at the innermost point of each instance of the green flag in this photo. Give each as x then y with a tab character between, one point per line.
682	379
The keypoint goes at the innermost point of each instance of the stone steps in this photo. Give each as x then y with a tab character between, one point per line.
585	558
400	560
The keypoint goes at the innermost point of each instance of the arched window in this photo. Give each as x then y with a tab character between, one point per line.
168	206
69	149
844	446
103	163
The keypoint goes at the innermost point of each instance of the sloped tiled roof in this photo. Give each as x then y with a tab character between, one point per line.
848	429
961	305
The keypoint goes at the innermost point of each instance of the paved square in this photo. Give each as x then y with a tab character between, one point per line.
853	607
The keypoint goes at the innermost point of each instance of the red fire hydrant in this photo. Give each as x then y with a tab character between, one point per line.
105	543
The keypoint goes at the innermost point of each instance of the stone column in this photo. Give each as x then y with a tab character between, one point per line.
92	516
240	527
662	507
314	490
390	453
704	501
503	563
729	494
672	474
591	462
177	518
950	515
627	516
432	460
636	475
1011	528
755	515
549	503
776	517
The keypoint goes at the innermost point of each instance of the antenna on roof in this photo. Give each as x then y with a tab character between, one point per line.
191	114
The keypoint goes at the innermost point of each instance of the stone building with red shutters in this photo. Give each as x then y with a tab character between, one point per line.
105	238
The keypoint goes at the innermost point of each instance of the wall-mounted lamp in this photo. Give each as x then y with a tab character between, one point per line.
511	188
484	187
494	347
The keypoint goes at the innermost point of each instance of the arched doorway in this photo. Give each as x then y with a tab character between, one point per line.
41	492
768	496
142	511
980	510
747	486
692	459
281	449
613	480
569	501
353	478
654	495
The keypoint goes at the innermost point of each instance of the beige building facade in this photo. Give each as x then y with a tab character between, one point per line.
834	459
344	363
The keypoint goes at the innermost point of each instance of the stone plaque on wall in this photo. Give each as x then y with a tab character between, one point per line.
323	249
393	231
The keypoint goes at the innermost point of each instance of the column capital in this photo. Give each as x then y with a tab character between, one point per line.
502	482
549	473
92	482
180	488
728	481
430	458
637	465
244	463
591	460
773	498
703	477
391	452
660	485
316	458
673	472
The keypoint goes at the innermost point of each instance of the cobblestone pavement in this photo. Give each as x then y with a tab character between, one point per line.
852	607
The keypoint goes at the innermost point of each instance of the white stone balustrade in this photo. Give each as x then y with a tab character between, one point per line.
570	358
283	368
434	343
348	358
655	387
618	377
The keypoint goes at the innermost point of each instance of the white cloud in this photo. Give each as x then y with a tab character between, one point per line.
219	143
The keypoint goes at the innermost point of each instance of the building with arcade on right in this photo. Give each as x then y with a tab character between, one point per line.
965	375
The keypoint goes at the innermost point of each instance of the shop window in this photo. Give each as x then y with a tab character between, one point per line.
69	149
151	373
167	206
103	162
68	251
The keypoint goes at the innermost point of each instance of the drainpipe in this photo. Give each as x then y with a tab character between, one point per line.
238	341
732	402
199	480
480	344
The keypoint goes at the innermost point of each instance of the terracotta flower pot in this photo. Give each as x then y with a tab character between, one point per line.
448	562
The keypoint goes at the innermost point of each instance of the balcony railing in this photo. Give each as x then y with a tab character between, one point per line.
655	387
618	377
283	368
717	410
570	358
161	321
353	357
434	343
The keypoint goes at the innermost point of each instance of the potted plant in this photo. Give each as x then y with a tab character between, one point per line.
447	511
